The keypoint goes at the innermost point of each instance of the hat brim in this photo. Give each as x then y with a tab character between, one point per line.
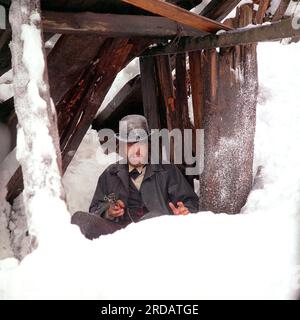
118	137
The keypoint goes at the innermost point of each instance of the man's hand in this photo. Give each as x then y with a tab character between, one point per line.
180	210
116	210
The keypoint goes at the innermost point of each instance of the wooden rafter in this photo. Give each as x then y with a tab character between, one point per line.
274	31
113	25
179	15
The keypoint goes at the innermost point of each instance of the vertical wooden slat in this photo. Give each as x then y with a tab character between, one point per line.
166	88
181	104
149	91
196	76
230	78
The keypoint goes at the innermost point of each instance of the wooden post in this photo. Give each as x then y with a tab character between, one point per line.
181	102
229	124
149	91
166	86
38	142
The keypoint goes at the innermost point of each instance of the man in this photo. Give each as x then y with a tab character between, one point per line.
140	190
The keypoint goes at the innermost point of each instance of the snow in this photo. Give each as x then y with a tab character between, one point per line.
199	256
36	151
6	89
87	164
128	73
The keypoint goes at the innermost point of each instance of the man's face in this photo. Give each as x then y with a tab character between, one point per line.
137	153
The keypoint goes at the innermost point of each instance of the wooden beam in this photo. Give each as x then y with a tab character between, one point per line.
179	15
196	75
274	31
114	25
181	101
218	10
165	80
68	59
149	91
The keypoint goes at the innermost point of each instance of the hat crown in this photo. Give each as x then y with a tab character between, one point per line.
133	128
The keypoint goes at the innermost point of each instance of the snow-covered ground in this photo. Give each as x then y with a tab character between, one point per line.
202	256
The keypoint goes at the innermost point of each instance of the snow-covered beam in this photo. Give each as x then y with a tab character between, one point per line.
38	148
262	33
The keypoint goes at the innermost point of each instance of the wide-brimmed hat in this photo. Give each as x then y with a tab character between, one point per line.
133	128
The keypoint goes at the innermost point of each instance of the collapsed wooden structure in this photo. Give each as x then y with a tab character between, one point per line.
217	72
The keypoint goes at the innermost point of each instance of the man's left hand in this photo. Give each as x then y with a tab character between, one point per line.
180	210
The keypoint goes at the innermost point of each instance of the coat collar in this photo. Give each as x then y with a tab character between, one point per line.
121	170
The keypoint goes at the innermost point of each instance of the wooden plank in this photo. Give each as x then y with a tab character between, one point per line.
181	102
218	10
280	11
149	92
262	33
263	6
178	14
113	25
165	80
196	76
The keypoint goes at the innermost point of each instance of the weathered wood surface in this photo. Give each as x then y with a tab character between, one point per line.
197	86
178	14
113	25
229	123
166	87
67	61
274	31
181	94
149	89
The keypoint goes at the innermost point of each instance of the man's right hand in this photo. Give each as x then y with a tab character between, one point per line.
116	210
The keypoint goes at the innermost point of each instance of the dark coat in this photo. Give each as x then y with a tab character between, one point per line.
162	183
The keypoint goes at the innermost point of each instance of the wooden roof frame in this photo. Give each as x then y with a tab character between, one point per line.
179	15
